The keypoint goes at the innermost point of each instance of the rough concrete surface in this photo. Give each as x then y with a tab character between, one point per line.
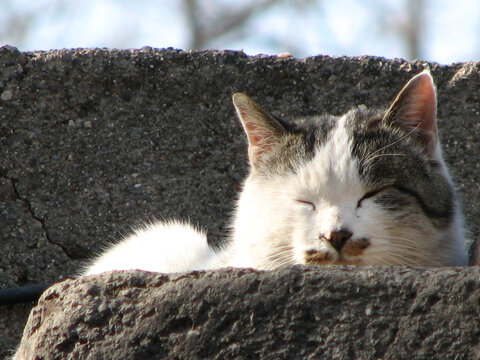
292	313
94	141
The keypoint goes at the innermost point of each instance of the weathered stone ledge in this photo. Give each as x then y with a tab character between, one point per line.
291	313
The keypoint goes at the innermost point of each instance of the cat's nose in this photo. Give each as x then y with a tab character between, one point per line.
337	238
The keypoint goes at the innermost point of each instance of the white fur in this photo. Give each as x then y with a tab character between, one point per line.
160	247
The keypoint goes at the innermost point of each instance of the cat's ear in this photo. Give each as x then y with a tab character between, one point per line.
415	110
262	130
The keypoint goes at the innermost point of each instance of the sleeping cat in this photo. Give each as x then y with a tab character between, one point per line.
366	188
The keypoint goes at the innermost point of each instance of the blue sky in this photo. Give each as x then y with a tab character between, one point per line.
343	27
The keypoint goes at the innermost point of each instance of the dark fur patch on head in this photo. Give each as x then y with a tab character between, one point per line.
297	145
388	158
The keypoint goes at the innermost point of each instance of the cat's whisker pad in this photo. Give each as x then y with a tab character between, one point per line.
318	257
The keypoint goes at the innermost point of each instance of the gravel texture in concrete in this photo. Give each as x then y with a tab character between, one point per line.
293	313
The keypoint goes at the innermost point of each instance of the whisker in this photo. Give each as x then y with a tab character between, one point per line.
274	258
285	262
405	244
393	259
393	143
277	251
402	253
410	253
406	248
404	240
400	257
405	260
373	157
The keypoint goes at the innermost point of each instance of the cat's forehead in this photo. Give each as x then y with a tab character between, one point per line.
383	152
355	121
307	136
362	119
332	171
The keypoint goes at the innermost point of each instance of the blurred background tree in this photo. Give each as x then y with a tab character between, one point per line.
434	30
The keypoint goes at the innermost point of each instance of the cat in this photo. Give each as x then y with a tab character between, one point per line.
366	188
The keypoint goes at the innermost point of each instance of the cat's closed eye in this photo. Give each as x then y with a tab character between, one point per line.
370	194
314	208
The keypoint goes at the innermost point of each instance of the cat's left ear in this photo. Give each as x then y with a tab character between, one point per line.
415	110
262	129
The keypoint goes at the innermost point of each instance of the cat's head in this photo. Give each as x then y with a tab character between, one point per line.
368	187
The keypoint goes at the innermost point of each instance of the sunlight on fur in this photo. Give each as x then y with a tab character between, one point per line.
366	188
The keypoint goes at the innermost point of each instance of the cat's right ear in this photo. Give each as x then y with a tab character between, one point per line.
261	128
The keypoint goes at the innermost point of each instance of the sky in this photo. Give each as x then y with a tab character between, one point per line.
341	27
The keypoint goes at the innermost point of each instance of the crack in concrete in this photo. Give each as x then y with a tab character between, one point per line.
35	217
